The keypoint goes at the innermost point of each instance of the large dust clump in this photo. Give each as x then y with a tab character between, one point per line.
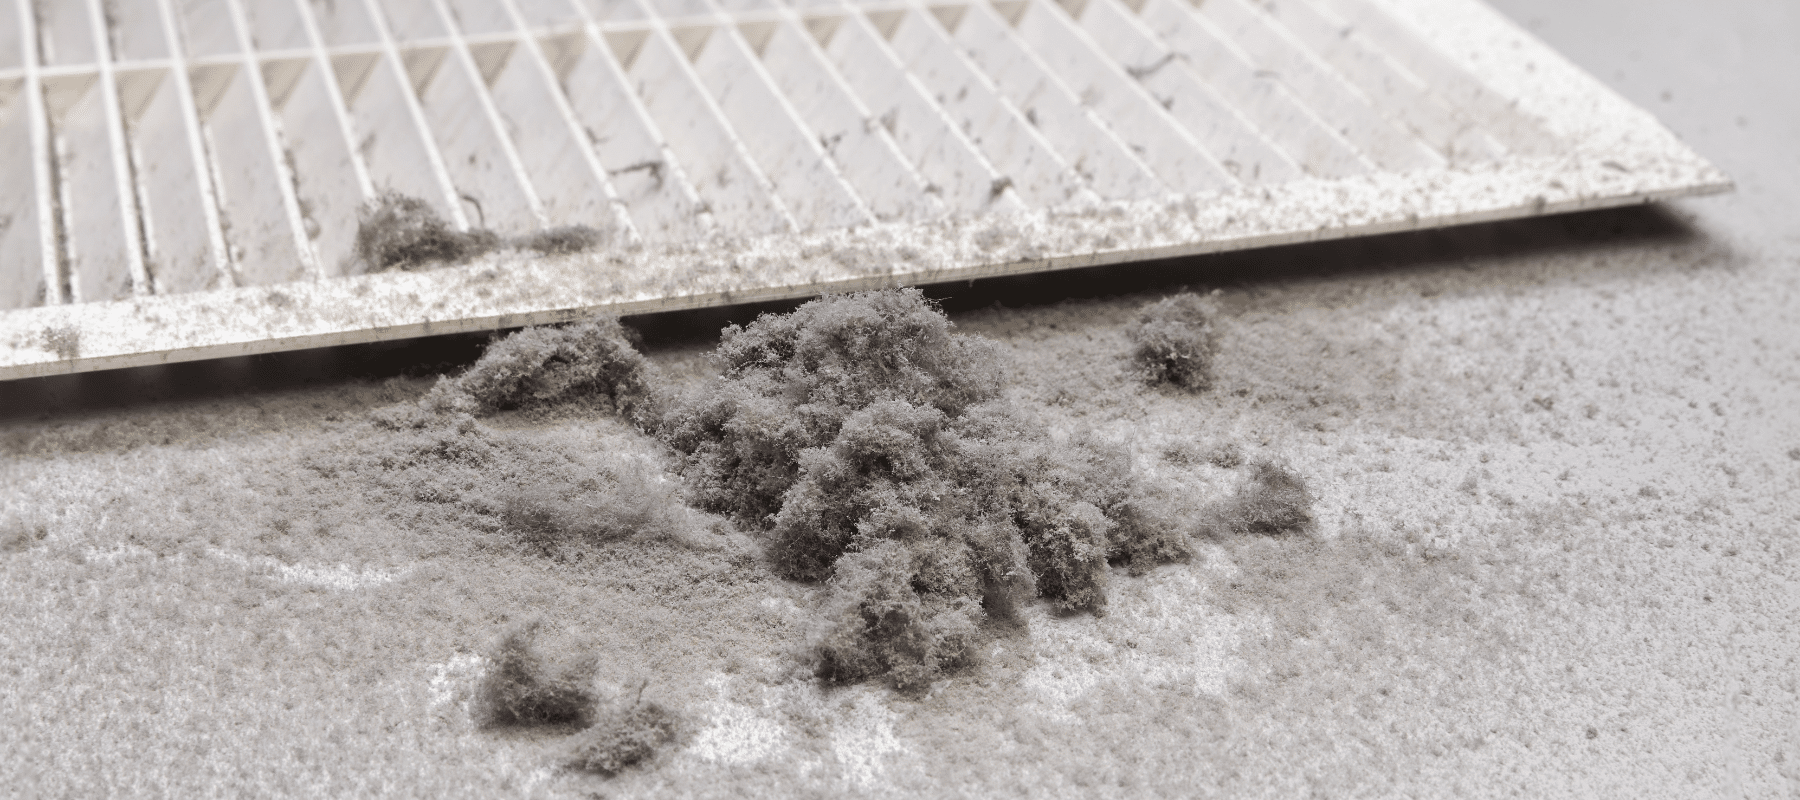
870	445
875	448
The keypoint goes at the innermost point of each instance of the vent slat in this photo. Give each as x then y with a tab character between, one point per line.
330	179
1311	140
322	109
486	169
22	281
740	198
15	26
615	10
1449	80
552	149
29	270
1394	89
386	120
184	247
259	210
63	33
102	247
1328	94
654	185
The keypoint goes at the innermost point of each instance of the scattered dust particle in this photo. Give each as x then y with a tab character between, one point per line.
563	240
64	341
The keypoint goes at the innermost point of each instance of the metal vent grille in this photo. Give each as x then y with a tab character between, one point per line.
181	178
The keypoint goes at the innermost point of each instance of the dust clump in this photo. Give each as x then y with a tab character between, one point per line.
593	361
623	735
791	381
395	231
524	688
1272	501
875	449
18	534
1174	341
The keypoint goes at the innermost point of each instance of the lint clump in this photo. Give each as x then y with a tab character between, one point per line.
525	688
395	231
1175	339
595	361
624	734
1272	501
874	447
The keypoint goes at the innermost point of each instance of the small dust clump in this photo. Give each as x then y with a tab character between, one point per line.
523	689
395	231
1272	501
593	361
623	736
18	534
1174	341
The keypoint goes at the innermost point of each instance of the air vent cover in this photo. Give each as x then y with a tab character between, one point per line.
183	177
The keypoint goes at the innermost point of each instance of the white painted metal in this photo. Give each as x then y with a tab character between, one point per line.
387	120
740	197
865	154
89	139
1006	135
185	176
803	177
652	183
29	268
1120	104
1221	127
1096	153
924	130
1319	144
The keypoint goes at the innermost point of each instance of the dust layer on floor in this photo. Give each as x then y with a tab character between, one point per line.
1547	550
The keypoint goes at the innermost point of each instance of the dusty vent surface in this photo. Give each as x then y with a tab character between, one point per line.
182	178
